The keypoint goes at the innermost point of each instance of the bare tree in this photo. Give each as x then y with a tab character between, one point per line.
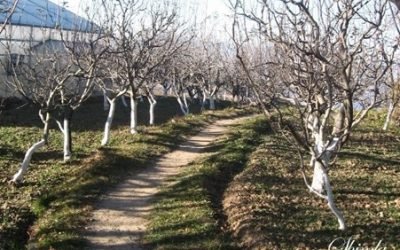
209	72
57	76
144	36
327	60
113	87
179	71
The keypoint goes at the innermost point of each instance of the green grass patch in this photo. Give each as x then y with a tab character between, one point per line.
52	205
188	214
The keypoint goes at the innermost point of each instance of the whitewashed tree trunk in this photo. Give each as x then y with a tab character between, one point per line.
107	127
133	124
185	102
388	116
106	106
152	108
67	139
153	103
18	177
212	102
318	177
204	101
320	181
331	203
319	184
27	160
181	105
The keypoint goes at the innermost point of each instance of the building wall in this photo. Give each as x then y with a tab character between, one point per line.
19	40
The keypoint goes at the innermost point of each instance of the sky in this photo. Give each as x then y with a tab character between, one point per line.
217	12
211	7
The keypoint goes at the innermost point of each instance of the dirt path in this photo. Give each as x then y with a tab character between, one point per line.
119	220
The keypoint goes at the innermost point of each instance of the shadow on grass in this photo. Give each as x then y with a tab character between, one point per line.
91	115
271	207
370	157
65	209
10	153
189	214
103	170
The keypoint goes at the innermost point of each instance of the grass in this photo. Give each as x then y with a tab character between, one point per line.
270	208
52	205
188	214
249	194
267	206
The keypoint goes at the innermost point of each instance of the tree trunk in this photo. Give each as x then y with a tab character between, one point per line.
18	177
107	127
185	103
67	138
182	105
321	180
204	101
27	159
331	203
388	116
106	106
212	102
133	125
318	177
153	103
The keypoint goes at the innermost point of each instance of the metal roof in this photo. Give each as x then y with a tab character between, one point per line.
46	14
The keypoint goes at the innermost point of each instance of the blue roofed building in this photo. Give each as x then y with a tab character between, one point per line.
44	14
35	23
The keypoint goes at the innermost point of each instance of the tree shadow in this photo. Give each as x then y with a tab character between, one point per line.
370	157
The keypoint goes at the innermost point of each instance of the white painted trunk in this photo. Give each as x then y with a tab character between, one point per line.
106	106
388	116
133	125
182	105
18	177
152	108
185	103
67	140
331	203
318	177
204	101
321	183
212	102
107	127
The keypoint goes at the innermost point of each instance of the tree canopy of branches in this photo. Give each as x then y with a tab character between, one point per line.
322	65
143	36
57	76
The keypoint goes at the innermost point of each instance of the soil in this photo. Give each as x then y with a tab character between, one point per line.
120	218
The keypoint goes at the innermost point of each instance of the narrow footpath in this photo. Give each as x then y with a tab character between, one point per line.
119	219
